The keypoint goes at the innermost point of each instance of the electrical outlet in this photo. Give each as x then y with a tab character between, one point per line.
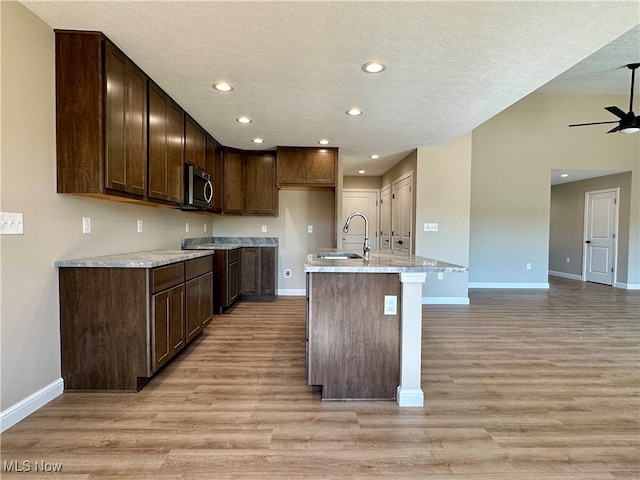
139	226
567	259
440	276
390	305
186	227
86	224
204	227
264	229
528	266
309	228
287	273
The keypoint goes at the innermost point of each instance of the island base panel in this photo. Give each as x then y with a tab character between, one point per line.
354	349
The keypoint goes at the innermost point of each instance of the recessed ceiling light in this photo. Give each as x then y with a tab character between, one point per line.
324	142
258	140
374	156
564	175
373	67
360	172
354	112
243	120
222	87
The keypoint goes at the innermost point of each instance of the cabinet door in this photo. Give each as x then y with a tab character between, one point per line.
168	335
206	298
250	271
233	182
193	318
267	271
165	147
194	146
260	184
215	169
290	166
126	124
233	279
320	166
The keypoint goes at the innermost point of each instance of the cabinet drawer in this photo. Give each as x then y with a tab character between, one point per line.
167	277
234	255
198	266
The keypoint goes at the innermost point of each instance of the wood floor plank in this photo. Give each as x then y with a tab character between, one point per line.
526	384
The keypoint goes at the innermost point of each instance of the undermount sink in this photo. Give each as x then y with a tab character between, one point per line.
338	255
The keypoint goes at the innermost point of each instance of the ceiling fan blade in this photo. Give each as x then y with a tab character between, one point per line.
614	129
592	123
616	111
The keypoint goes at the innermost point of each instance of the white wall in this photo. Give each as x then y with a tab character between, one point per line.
512	158
443	183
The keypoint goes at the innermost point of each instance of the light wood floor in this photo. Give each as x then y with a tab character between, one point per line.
526	385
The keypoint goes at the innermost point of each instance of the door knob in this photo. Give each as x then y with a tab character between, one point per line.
588	241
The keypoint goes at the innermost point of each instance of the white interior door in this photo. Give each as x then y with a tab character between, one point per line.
600	242
385	218
401	199
365	202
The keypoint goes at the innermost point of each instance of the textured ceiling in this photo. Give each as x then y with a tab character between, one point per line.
296	65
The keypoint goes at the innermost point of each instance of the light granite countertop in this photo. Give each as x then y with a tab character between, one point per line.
146	259
227	243
382	261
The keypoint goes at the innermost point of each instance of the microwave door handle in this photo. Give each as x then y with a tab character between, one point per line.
210	195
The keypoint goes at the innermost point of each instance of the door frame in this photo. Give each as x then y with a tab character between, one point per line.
616	214
412	207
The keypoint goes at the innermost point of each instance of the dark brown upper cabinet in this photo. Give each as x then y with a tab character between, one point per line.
166	160
215	169
261	193
233	182
101	118
194	143
307	166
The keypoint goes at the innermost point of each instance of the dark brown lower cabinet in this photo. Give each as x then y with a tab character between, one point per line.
259	273
119	326
227	270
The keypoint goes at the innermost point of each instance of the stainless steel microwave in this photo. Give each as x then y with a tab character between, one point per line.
198	189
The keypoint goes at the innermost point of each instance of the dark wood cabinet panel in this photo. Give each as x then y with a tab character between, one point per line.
101	133
251	271
215	168
290	166
227	268
307	166
168	333
366	361
199	292
259	266
194	143
320	166
104	341
261	194
234	193
166	176
126	124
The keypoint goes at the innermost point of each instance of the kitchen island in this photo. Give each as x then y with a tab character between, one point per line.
364	324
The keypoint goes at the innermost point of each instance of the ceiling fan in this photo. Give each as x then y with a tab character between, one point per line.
629	122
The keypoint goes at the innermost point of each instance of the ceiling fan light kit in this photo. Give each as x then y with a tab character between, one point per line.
629	122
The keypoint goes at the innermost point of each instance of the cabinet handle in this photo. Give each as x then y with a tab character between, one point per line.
210	195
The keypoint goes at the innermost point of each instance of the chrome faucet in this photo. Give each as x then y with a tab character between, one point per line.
366	247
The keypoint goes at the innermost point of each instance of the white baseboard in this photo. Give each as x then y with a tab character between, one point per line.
507	285
25	407
445	300
627	286
292	292
570	276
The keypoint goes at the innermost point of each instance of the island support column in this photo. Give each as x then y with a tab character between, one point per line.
410	393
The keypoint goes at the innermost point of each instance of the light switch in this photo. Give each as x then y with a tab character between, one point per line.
86	224
139	226
264	229
309	228
12	223
430	227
